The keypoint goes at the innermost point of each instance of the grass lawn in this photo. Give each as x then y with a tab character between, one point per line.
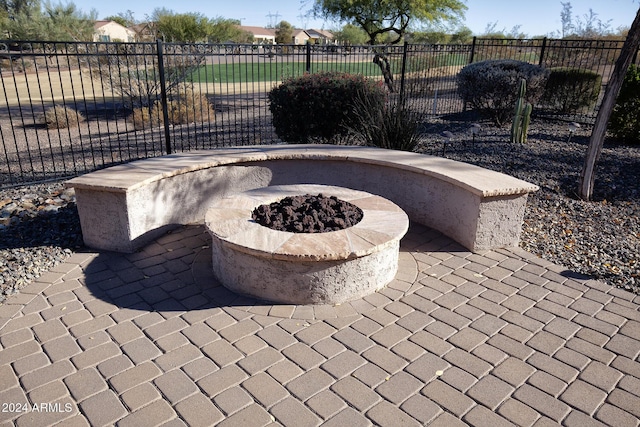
275	71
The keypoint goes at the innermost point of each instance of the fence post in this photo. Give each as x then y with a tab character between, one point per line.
308	64
473	50
542	51
403	72
163	96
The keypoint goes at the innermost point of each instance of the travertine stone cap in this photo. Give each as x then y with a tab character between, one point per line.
383	224
480	181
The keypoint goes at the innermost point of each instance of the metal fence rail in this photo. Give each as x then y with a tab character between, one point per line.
146	99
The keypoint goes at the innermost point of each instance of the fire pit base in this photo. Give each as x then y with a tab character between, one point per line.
305	268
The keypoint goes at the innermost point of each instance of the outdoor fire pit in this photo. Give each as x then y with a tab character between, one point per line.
300	267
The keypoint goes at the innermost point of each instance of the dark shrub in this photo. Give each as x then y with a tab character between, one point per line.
570	90
319	107
491	86
625	119
393	126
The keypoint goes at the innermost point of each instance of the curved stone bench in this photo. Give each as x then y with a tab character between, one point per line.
123	207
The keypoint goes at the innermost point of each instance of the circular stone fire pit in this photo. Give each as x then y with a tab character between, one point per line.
305	268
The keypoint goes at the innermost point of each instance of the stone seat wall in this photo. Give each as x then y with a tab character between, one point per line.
125	206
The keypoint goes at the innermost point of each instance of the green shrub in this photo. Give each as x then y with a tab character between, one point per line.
570	90
625	119
319	107
393	126
61	117
491	87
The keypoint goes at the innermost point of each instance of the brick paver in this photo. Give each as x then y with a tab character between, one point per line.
494	338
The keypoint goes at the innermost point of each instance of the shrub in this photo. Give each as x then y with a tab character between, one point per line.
189	107
492	86
129	70
186	107
144	117
319	107
625	119
570	90
393	126
61	117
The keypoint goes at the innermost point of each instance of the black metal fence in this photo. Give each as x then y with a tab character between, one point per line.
141	100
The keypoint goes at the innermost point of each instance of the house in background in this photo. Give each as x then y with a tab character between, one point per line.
145	31
261	35
110	31
320	36
268	36
300	37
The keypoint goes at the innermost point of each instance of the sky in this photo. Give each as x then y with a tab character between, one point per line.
535	18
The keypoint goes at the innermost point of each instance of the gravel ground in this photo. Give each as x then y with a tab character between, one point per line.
39	225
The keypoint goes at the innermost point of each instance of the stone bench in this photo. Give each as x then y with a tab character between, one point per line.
124	207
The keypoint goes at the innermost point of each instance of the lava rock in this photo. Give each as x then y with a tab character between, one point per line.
308	214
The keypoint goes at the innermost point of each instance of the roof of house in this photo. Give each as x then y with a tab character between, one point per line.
142	26
99	24
323	33
259	31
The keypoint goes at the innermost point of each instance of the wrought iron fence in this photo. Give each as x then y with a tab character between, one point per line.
141	100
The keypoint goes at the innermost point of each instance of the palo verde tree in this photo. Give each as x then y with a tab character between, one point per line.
29	20
66	22
379	18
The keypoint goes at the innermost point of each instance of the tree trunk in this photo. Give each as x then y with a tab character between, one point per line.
596	140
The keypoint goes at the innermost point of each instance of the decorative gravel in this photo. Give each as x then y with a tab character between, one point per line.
599	239
40	228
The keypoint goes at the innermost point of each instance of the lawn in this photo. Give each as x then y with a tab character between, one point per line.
276	71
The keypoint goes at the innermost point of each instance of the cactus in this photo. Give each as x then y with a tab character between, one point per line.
521	116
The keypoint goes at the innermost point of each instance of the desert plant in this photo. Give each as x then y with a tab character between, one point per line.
146	117
625	119
61	117
491	86
569	90
132	70
185	107
521	115
189	107
319	107
389	126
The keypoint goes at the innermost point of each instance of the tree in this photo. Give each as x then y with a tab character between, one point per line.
566	19
587	26
463	35
67	23
11	8
284	33
181	27
25	20
596	141
393	17
350	34
428	37
224	30
21	19
125	19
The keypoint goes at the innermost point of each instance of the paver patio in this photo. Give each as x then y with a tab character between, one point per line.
494	338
